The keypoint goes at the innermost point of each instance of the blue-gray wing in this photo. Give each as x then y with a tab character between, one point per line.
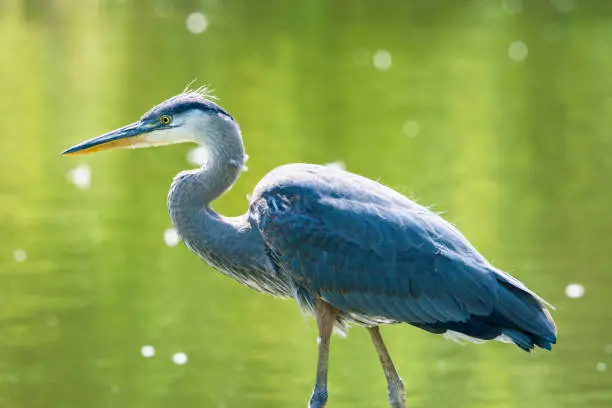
380	259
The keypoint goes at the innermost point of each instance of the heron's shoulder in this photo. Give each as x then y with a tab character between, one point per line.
316	181
342	198
292	176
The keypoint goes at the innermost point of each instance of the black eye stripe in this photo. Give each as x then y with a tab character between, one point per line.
203	106
180	104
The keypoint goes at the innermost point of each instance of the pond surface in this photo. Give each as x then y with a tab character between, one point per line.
496	113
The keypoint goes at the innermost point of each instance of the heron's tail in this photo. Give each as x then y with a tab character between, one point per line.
528	322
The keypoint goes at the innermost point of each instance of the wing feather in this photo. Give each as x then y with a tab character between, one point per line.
405	264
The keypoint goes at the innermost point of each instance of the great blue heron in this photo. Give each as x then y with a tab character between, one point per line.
348	249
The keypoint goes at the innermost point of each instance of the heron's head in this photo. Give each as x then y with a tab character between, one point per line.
187	117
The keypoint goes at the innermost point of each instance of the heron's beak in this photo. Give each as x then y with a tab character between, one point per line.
131	135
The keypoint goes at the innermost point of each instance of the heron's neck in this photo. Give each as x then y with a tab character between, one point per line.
224	163
192	191
229	244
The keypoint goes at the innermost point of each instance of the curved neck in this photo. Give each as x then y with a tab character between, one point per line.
228	244
192	191
225	161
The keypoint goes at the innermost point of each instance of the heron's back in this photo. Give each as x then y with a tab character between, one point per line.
379	258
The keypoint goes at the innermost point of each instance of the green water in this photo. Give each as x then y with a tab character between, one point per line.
516	153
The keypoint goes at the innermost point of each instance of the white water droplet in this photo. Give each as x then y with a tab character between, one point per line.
147	351
196	23
382	60
574	290
518	51
20	255
601	366
608	348
411	128
171	237
80	176
197	156
115	389
179	358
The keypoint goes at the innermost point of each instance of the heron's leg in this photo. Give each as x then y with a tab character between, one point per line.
326	317
397	393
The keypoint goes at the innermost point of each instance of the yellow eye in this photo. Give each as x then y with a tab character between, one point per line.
165	119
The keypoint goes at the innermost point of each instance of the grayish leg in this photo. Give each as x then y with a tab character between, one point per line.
397	393
326	316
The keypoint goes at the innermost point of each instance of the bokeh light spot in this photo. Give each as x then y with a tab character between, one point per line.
411	128
171	237
574	290
147	351
382	60
20	255
196	23
518	51
179	358
80	176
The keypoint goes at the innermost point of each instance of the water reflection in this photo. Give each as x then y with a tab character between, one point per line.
382	60
171	237
411	128
80	176
147	351
574	290
516	154
20	255
179	358
518	51
196	23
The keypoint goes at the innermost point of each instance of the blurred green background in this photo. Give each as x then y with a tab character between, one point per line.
495	112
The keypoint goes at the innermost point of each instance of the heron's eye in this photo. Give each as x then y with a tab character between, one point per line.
165	119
